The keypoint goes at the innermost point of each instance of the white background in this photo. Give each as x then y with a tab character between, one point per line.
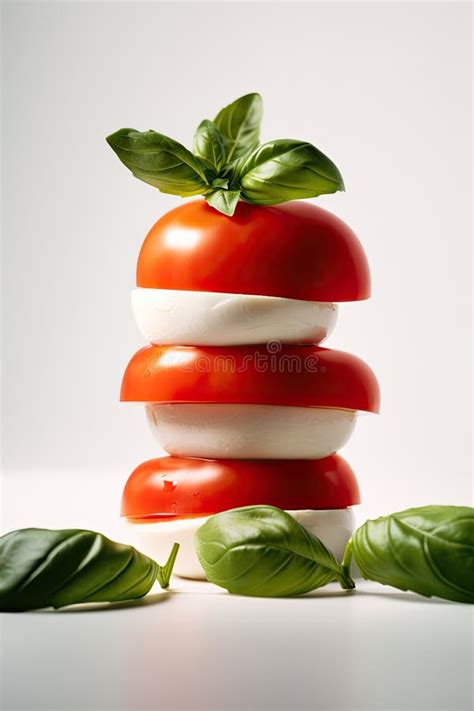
384	90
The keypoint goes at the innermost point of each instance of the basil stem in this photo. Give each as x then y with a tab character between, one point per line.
164	572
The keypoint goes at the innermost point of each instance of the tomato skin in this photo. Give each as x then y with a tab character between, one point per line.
296	250
175	486
300	376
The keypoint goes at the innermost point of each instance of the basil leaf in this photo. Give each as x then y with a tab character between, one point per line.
429	550
263	551
160	161
239	124
224	200
209	144
286	169
220	183
44	568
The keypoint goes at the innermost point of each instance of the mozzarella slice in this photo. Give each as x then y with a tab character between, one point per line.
334	528
236	431
200	318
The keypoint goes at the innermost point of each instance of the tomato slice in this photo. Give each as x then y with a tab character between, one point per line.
272	374
296	250
175	486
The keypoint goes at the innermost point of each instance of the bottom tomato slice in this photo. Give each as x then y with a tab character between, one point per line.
175	486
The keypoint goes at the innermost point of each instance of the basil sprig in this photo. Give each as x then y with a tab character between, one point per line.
227	163
263	551
46	568
429	550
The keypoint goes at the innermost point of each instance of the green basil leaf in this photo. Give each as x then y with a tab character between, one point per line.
220	183
239	124
286	169
160	161
209	144
429	550
263	551
44	568
224	200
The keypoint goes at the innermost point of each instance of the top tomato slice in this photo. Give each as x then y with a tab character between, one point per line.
295	250
175	486
300	376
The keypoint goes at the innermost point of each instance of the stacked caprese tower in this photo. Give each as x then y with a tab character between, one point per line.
235	296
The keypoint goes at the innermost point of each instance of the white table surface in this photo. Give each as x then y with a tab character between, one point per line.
198	648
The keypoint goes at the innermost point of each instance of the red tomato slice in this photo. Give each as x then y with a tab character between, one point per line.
302	376
295	250
174	486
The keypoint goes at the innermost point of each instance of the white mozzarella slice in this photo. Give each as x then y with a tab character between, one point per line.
199	318
236	431
334	528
